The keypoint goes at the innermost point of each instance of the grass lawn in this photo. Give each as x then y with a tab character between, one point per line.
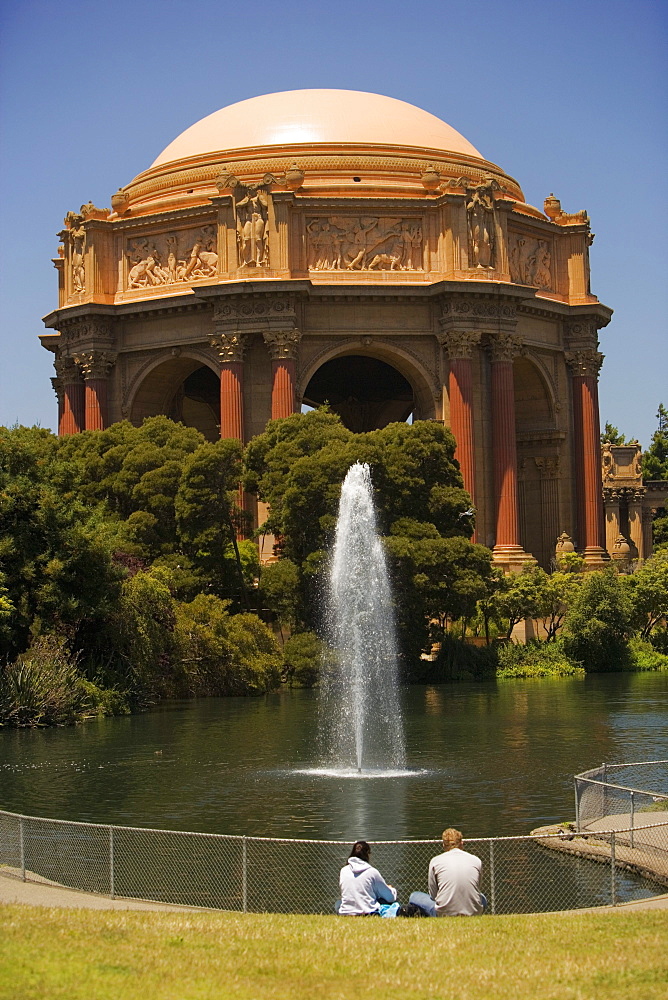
46	954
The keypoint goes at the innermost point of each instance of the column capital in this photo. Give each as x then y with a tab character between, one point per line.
229	346
67	369
282	344
586	363
58	388
504	347
459	343
95	364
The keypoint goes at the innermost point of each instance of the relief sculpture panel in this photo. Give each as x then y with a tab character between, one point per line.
170	258
364	243
530	261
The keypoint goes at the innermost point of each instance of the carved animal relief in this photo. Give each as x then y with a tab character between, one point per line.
530	261
170	258
364	243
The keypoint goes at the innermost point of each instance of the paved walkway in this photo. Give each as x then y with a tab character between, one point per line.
43	893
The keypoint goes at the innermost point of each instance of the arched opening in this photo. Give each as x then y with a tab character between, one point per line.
367	393
184	390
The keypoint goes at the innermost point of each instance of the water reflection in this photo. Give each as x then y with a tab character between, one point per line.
490	759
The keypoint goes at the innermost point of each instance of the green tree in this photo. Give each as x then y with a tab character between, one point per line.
655	459
520	596
648	591
611	434
599	623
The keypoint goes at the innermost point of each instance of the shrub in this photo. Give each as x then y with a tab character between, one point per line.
42	687
598	623
456	661
645	657
302	658
536	659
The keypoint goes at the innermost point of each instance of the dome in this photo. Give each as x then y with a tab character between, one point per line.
305	117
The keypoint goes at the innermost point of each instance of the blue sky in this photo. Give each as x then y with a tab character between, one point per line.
567	97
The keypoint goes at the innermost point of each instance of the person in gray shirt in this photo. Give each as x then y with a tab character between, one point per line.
454	881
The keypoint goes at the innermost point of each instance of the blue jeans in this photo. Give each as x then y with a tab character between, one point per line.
426	903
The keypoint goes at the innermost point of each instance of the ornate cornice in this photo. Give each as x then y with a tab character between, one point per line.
586	363
282	344
95	364
459	343
90	328
229	346
476	307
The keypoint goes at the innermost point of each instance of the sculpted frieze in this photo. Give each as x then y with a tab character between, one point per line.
248	307
530	261
170	258
364	243
478	309
87	329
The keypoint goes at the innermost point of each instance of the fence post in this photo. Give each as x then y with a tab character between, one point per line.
633	810
244	883
613	881
22	849
112	891
577	804
492	885
605	788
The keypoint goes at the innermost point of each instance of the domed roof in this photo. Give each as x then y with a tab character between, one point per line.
302	117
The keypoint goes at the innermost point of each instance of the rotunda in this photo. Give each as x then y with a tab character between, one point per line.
331	245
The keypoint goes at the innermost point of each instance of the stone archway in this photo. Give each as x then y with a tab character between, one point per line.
183	389
369	391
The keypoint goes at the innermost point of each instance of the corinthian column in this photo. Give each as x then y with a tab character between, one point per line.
508	551
585	366
230	348
282	346
459	347
95	367
70	389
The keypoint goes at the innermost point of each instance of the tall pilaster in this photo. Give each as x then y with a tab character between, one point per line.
585	365
71	402
282	345
230	348
95	367
508	551
459	346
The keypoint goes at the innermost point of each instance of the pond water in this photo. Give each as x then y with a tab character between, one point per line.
492	759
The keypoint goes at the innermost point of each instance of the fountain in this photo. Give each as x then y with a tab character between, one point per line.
360	703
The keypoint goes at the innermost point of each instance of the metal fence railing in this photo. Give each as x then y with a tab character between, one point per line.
254	874
633	792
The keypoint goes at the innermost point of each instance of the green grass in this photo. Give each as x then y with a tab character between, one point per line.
112	955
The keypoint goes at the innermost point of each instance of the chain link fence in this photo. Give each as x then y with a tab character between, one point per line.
253	874
637	793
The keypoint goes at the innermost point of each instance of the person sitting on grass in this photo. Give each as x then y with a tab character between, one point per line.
363	888
454	882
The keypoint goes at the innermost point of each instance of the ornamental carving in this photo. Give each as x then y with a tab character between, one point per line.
251	306
478	309
364	243
584	364
583	329
58	388
229	346
89	328
481	223
251	214
282	344
504	347
170	258
95	364
459	343
530	261
548	467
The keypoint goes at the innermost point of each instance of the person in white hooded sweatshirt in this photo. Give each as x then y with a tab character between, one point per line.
362	886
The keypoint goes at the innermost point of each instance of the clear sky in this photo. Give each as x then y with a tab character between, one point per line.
568	97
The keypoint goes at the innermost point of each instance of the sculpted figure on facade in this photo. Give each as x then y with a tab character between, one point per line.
364	243
251	210
481	223
158	262
607	461
530	261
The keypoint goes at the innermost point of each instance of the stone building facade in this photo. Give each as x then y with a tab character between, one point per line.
335	246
